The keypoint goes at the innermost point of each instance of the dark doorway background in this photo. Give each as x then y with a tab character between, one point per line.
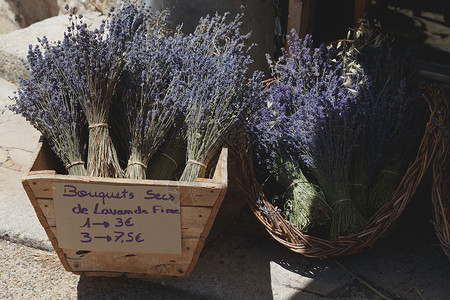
423	25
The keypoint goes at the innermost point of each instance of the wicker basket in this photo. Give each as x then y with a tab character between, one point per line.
440	191
378	225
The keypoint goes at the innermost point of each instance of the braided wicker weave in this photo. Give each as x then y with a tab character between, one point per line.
440	191
377	226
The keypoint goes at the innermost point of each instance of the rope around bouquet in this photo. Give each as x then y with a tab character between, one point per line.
440	191
377	226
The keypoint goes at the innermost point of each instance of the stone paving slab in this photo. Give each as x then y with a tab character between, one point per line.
18	140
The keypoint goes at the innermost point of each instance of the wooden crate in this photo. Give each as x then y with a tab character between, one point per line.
199	202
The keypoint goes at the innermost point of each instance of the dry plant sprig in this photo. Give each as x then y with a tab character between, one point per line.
218	93
51	106
149	85
91	69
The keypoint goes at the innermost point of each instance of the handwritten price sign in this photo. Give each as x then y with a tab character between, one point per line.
117	218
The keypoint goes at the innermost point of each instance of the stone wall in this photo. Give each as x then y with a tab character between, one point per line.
102	6
7	18
14	45
28	12
15	14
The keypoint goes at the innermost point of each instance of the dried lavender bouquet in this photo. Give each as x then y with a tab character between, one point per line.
51	107
321	123
391	112
149	81
217	92
396	121
91	69
304	205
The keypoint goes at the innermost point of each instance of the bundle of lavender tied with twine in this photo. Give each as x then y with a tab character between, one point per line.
84	70
148	87
51	106
217	91
304	204
92	73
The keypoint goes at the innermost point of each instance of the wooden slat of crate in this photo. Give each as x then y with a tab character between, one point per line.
143	263
41	217
200	201
191	193
122	262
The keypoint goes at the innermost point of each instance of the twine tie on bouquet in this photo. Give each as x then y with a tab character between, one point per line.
196	163
296	182
137	163
68	166
92	126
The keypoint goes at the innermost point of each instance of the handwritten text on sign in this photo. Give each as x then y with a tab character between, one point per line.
117	218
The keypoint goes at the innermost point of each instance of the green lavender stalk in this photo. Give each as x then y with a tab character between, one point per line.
166	162
305	205
358	181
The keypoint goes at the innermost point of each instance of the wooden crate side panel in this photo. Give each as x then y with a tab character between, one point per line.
221	171
48	208
44	223
191	193
200	201
129	275
199	196
143	263
206	231
193	219
44	158
42	188
51	222
103	274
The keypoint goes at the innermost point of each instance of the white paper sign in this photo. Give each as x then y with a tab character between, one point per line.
117	218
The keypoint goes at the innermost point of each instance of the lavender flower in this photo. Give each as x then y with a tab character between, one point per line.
91	66
51	106
149	83
218	93
392	109
336	114
315	126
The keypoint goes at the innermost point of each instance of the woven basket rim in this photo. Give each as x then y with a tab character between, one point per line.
440	191
378	225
